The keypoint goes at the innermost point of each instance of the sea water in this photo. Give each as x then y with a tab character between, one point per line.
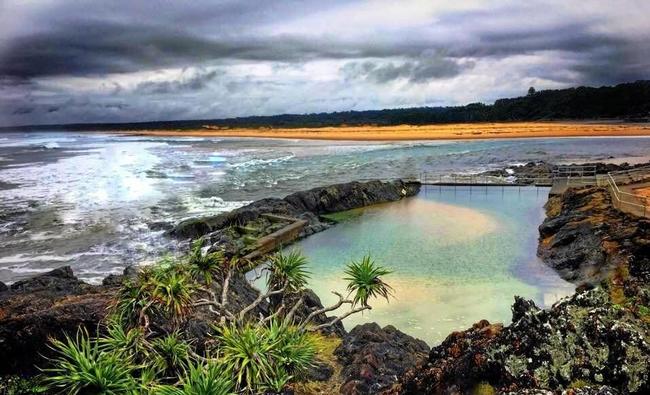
99	201
457	255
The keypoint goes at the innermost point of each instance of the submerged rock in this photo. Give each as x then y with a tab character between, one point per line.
373	357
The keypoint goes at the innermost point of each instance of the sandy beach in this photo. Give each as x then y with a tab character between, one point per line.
466	131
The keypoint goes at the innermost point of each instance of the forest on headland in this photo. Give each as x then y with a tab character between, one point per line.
624	102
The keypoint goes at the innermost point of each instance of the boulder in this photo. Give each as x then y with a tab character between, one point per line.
585	339
584	237
46	306
373	357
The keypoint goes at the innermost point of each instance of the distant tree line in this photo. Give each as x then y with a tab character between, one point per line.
629	102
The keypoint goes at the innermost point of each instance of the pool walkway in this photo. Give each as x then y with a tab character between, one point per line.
630	189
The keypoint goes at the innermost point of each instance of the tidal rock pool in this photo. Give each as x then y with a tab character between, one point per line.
457	256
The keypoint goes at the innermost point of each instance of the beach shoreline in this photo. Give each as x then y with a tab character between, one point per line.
464	131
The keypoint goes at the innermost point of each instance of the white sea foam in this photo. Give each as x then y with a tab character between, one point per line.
262	162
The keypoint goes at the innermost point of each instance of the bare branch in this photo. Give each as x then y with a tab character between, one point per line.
325	309
225	286
272	316
206	302
259	300
339	318
289	317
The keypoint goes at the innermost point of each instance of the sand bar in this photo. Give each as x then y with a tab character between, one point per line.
464	131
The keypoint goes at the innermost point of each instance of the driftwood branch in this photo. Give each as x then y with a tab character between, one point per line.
272	316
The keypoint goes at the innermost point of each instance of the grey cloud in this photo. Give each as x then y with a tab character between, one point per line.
94	46
187	83
417	71
101	40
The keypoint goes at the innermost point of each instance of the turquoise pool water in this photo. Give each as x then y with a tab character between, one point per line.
457	255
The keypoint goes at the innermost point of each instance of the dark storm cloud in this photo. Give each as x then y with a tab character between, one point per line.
417	71
94	46
84	60
186	83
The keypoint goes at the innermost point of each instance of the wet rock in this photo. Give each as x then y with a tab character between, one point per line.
540	169
584	237
373	357
305	204
130	272
60	280
3	287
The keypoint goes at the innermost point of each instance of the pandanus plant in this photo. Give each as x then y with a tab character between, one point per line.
365	281
248	354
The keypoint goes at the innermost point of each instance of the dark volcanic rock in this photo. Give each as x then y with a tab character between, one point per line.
47	305
319	371
583	339
305	205
373	357
584	237
3	287
542	169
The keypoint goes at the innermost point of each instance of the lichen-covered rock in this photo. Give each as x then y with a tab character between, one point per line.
584	339
373	357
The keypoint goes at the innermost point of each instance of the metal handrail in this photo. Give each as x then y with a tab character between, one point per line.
617	194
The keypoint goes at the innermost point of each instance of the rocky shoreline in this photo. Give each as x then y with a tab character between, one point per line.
56	303
596	341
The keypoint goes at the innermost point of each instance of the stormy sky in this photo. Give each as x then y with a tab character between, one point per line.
114	61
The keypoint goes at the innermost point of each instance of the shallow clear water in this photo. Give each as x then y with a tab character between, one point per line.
98	201
457	256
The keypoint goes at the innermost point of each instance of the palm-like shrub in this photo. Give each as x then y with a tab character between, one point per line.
130	344
171	291
247	353
132	297
256	354
81	367
289	269
365	281
278	380
201	379
165	289
172	354
205	266
295	348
